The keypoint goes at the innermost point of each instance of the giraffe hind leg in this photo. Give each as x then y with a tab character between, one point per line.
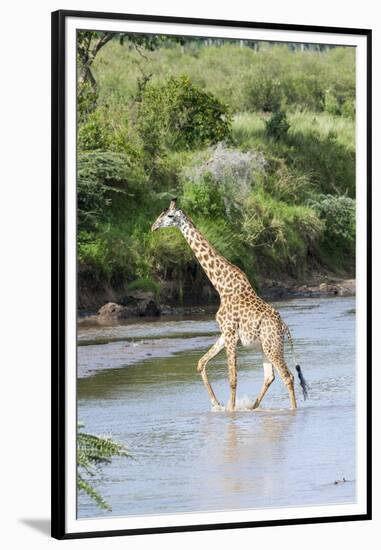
288	379
268	380
273	349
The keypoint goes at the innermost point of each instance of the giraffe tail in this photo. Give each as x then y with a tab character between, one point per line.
302	380
303	383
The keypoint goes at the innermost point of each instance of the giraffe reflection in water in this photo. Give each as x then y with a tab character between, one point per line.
247	452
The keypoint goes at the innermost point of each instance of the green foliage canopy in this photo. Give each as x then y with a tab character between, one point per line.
179	115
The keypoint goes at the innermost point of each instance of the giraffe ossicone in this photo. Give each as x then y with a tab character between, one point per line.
243	317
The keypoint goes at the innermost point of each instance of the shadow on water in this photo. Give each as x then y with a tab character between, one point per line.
190	458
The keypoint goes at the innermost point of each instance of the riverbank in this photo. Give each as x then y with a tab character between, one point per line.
139	304
316	287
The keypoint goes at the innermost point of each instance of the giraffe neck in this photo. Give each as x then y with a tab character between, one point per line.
219	270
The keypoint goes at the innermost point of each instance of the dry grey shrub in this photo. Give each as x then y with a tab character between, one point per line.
235	172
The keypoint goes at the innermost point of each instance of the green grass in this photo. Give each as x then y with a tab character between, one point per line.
229	72
249	128
324	124
320	145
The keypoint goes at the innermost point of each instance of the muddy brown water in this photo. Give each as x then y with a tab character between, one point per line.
137	383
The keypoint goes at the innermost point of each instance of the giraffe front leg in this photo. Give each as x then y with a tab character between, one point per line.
201	368
231	352
209	389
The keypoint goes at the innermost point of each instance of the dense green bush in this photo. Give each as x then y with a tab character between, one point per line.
304	90
95	133
203	197
92	194
107	129
101	178
277	126
179	115
339	215
340	102
87	98
263	93
115	254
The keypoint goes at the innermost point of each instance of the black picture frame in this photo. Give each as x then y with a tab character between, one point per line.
59	245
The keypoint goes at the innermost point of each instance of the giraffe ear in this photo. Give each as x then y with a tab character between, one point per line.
172	206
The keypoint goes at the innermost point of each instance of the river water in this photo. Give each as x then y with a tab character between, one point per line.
137	383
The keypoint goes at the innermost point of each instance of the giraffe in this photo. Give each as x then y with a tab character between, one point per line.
243	317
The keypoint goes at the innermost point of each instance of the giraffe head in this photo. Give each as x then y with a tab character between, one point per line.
171	217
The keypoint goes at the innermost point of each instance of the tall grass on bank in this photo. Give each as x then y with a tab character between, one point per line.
244	78
317	144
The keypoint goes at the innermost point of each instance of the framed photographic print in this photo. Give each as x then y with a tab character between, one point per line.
211	187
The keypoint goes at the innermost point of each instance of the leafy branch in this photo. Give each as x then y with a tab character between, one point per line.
93	452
